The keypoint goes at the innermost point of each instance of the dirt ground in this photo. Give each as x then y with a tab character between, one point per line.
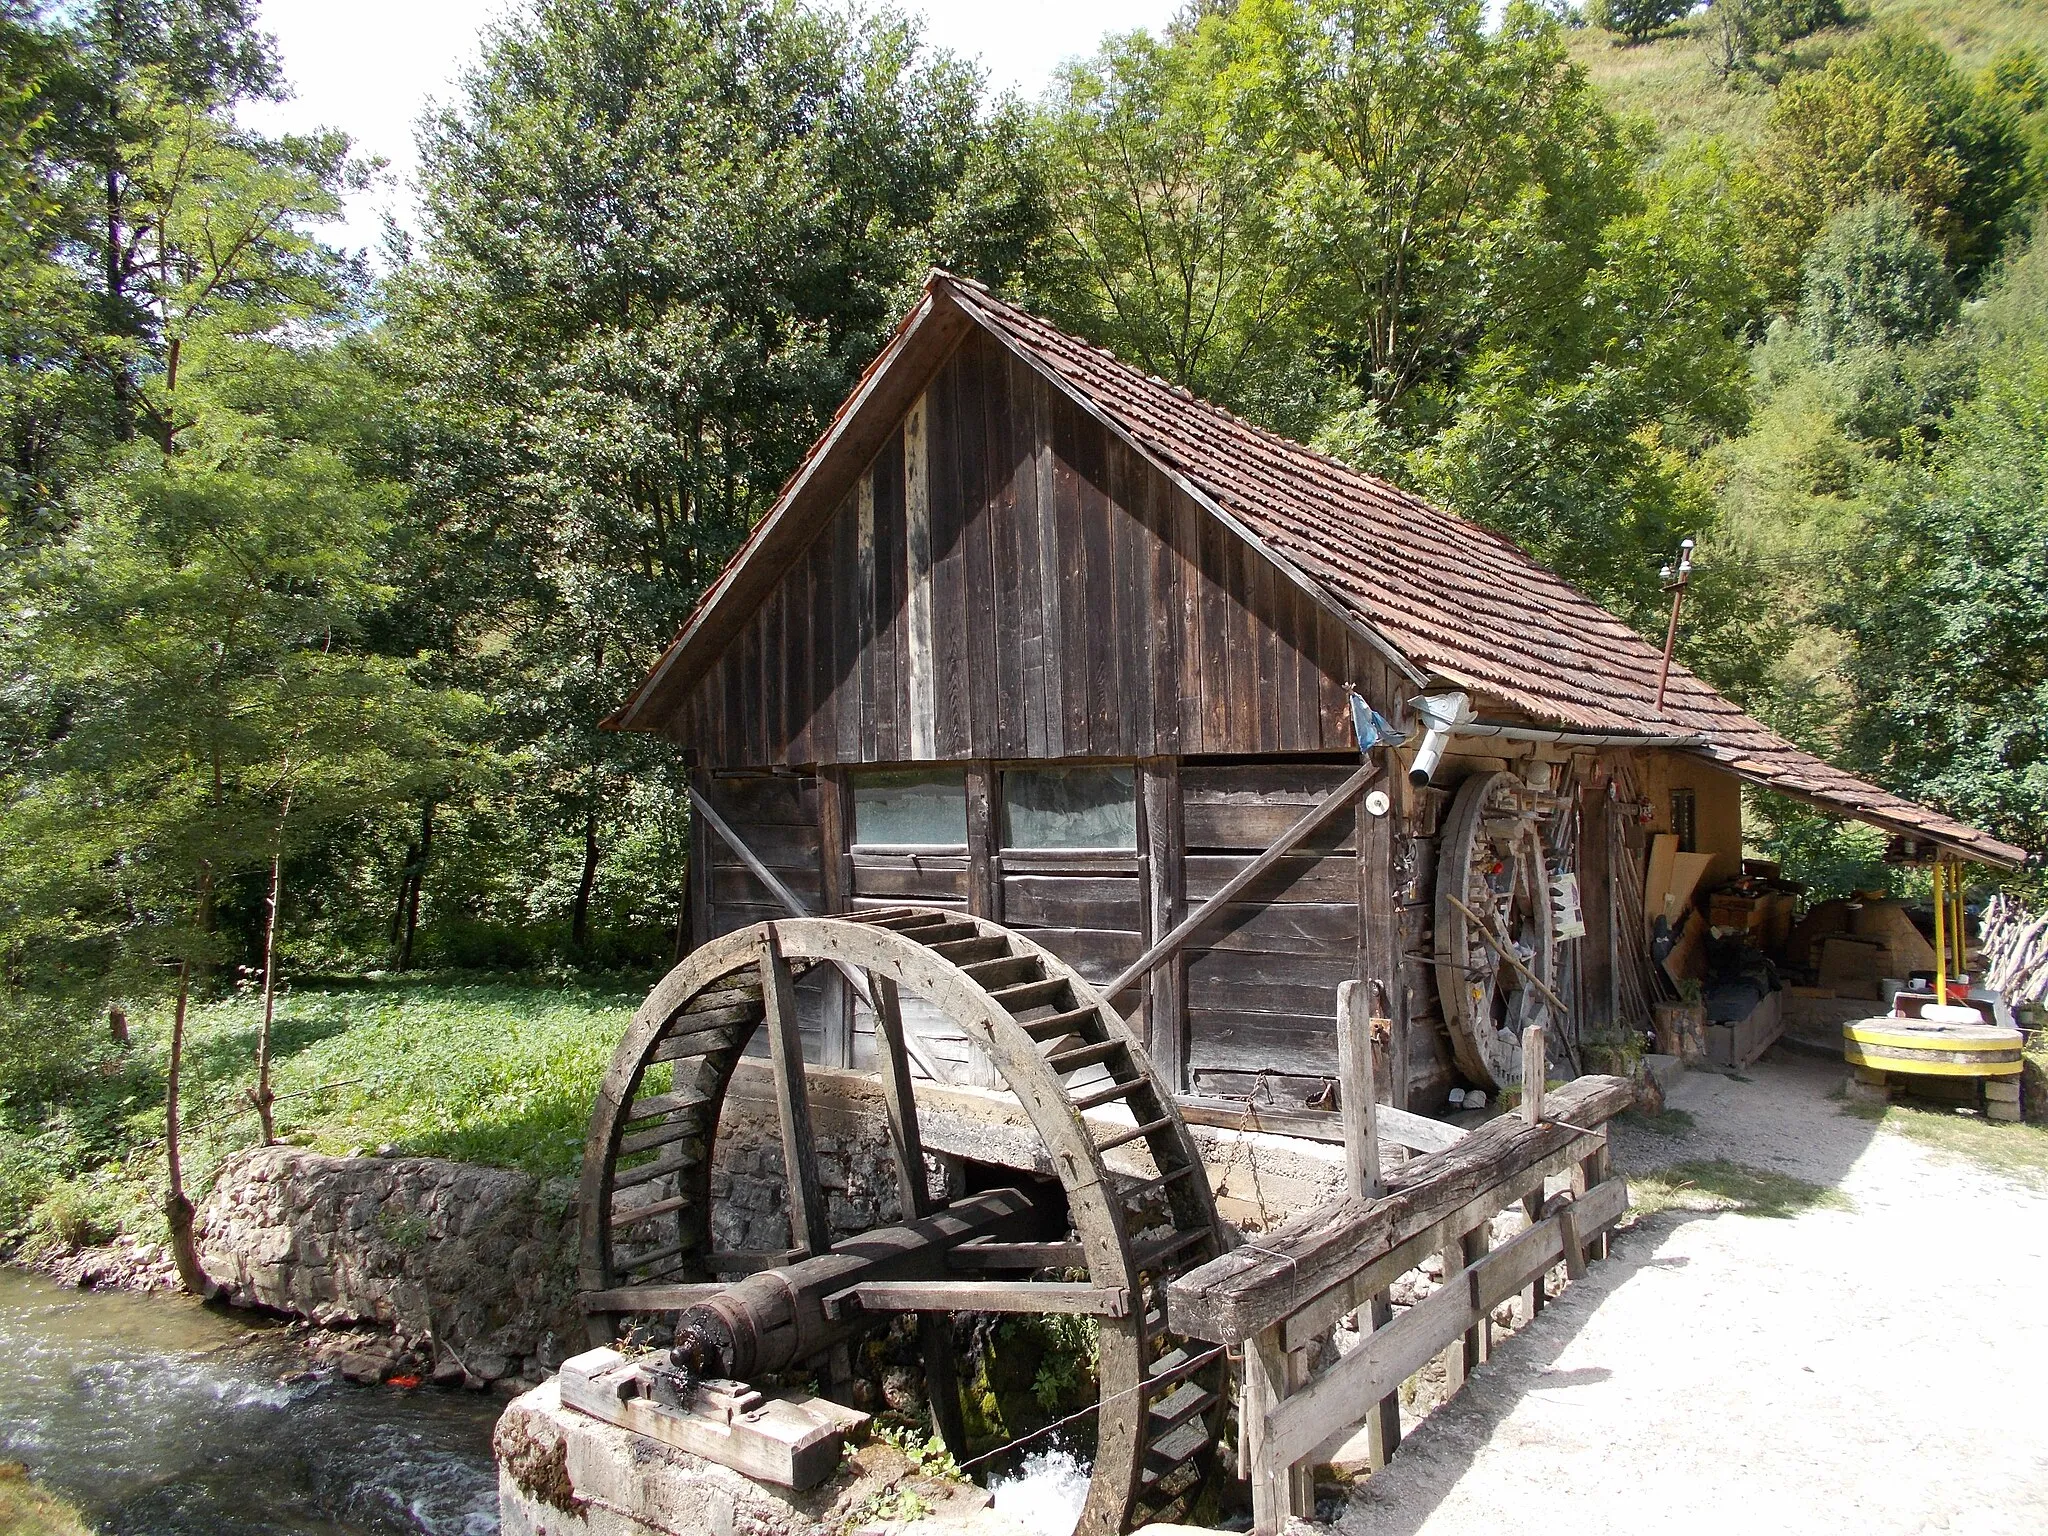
1873	1369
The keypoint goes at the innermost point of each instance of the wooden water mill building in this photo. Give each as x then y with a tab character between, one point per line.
1034	635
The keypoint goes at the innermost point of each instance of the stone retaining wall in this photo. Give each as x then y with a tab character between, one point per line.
471	1269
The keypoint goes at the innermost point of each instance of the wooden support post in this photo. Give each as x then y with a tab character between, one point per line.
1357	1093
1532	1293
1163	846
1589	1172
1358	1104
984	879
1454	1358
1479	1337
835	876
1276	1488
809	1228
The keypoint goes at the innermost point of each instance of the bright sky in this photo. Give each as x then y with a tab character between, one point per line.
371	67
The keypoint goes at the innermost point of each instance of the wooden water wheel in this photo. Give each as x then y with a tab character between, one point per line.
1057	1046
1492	860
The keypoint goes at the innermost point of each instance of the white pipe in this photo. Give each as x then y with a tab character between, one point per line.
1441	714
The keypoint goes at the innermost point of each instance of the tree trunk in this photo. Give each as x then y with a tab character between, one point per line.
262	1096
579	914
177	1208
414	882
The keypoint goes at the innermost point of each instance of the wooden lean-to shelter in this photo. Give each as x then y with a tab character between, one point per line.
1032	634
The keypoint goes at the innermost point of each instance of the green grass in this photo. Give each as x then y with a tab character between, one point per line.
487	1070
27	1510
1668	81
1720	1185
2019	1151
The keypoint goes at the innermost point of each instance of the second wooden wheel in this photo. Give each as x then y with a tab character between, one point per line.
1492	860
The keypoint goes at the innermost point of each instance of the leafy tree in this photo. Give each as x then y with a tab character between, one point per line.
1637	20
1448	180
662	239
1949	612
1170	247
1891	117
1873	279
188	644
1575	435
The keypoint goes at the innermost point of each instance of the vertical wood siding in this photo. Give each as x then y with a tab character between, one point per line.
1008	581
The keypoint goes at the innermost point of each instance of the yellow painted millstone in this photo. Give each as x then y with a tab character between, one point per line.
1932	1049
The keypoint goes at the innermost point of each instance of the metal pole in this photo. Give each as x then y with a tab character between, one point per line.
1675	583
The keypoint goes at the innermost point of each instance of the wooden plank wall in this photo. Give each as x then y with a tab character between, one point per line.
777	816
1007	581
1262	980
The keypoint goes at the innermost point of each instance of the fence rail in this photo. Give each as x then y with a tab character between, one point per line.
1276	1296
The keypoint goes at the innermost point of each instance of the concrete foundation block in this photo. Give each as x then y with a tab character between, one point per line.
564	1473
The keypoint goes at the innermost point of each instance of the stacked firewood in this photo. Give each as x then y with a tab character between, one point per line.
2015	947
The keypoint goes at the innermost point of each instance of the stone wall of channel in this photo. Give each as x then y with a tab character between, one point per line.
472	1271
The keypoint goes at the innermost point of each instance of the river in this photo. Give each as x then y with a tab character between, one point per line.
158	1417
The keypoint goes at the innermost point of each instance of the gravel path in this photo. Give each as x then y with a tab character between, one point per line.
1872	1370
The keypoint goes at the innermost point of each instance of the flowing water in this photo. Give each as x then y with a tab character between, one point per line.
158	1417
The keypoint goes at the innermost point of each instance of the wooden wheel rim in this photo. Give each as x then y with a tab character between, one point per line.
1473	982
1132	1347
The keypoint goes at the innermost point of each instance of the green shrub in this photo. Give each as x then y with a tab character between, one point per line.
1873	279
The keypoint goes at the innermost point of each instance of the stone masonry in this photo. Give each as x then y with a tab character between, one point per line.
473	1267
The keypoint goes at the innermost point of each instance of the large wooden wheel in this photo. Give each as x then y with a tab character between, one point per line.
1492	860
1057	1046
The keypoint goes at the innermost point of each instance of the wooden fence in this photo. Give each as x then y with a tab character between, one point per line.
1275	1297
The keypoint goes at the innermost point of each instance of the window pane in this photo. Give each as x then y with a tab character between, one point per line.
928	808
1070	808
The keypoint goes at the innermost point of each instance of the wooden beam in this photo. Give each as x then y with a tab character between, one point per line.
1417	1133
1230	1298
1188	926
980	1296
747	856
808	1226
647	1298
1318	1315
1379	1364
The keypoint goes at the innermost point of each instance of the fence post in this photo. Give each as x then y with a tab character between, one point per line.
1535	1074
1535	1067
1358	1102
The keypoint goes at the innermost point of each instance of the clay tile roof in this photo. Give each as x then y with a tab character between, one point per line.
1459	601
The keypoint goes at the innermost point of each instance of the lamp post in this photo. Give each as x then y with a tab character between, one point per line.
1674	580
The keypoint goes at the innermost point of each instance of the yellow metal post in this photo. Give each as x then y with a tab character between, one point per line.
1940	937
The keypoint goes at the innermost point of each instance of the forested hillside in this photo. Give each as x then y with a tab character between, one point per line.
319	572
